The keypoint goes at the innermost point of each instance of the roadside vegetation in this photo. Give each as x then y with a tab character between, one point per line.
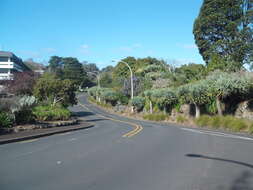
211	95
33	99
218	94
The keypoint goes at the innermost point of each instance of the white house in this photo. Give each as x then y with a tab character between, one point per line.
9	64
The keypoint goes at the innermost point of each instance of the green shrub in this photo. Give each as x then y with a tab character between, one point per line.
24	116
50	113
181	119
6	121
110	96
123	99
155	117
138	103
203	121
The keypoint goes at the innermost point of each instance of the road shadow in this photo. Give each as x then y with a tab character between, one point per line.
93	120
244	181
220	159
82	113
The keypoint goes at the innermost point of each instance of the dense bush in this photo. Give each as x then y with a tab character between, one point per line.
24	116
138	103
110	96
50	113
54	91
6	120
155	117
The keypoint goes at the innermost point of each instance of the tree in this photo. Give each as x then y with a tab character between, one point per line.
106	80
138	103
55	64
73	70
23	83
223	30
54	91
90	67
222	85
192	72
194	93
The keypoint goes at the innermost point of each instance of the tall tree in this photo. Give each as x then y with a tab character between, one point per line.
223	30
73	70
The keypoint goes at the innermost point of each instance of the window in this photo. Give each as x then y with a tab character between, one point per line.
4	59
4	70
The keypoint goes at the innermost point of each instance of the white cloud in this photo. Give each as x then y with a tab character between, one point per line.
179	62
85	49
49	50
187	46
131	47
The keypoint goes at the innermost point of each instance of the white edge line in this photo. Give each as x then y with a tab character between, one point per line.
217	134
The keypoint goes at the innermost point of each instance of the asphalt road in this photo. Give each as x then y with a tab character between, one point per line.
153	157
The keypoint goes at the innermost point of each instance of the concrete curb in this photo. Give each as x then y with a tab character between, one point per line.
43	134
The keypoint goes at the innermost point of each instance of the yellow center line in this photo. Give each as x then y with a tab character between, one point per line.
137	128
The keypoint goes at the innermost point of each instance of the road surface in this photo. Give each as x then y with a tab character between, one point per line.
123	154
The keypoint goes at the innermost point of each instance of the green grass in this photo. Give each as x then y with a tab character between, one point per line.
155	117
181	119
203	121
226	122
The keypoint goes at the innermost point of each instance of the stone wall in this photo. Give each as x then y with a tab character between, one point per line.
245	110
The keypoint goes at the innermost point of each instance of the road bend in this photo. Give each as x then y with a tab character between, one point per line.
124	154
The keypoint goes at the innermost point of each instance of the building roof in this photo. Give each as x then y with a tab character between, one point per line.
14	57
6	54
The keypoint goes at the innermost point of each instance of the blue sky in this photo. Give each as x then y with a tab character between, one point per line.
100	30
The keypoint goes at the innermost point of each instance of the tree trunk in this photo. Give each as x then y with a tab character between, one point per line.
150	107
197	111
218	105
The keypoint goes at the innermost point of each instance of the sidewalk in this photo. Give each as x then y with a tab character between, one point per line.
32	134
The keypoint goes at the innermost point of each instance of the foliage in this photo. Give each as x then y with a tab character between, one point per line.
224	29
181	119
138	85
73	70
203	121
69	68
226	122
90	67
106	80
49	113
110	96
211	107
194	93
55	91
222	84
6	121
163	97
191	72
138	103
155	117
24	116
22	84
23	110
